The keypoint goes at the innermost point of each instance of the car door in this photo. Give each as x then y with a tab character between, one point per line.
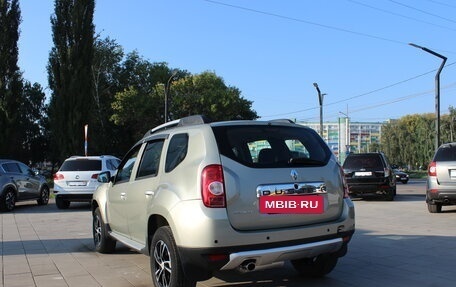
117	194
31	182
142	189
13	171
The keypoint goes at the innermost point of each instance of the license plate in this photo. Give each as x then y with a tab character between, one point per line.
303	204
363	173
77	183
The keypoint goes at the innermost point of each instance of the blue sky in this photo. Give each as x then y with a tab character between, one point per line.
273	51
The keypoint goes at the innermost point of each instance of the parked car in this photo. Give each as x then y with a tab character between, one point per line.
76	180
18	182
201	197
441	179
401	176
370	174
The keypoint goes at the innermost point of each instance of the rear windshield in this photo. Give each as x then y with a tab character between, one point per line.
363	162
272	146
446	153
81	165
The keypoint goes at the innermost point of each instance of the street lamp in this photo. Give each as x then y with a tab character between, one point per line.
320	100
167	87
437	91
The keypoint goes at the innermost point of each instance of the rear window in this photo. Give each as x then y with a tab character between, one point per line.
363	161
81	165
272	146
446	153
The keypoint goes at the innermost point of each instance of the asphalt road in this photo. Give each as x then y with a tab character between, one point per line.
397	243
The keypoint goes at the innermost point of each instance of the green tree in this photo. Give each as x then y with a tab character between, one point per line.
408	141
104	135
70	74
139	106
207	94
10	79
33	123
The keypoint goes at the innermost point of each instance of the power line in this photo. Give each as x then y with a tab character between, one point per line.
400	15
306	22
441	3
422	11
314	23
358	96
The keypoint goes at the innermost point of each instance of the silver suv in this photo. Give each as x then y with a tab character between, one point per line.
201	197
441	180
76	180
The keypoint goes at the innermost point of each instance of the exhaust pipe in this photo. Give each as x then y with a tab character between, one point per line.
247	266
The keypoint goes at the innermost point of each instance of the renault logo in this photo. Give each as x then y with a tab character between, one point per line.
294	174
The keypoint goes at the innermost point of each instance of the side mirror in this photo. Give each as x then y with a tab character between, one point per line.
104	177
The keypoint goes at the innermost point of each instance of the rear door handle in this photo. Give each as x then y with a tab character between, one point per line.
123	196
149	193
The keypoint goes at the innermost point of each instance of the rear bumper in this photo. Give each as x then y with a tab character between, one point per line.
80	197
444	197
439	193
369	188
199	264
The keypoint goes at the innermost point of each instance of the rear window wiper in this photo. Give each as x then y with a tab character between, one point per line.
305	161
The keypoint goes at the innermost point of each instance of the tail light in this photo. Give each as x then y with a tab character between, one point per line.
432	169
94	176
58	176
387	172
213	186
344	183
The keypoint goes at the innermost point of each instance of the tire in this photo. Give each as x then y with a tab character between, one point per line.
165	264
389	196
435	208
103	242
61	203
8	200
315	267
44	196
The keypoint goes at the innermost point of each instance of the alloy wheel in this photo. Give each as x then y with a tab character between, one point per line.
162	258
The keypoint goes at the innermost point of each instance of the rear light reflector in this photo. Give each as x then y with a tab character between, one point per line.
213	186
58	176
432	169
94	176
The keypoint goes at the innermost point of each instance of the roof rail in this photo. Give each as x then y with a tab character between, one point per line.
186	121
288	121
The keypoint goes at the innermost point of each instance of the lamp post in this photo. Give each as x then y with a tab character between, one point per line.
320	100
167	87
437	91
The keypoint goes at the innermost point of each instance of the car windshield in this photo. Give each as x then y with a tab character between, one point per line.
81	165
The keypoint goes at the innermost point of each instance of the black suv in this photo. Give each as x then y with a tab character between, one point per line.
370	174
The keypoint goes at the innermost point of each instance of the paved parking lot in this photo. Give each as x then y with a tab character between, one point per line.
396	244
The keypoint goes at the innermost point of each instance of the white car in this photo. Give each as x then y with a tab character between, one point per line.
76	180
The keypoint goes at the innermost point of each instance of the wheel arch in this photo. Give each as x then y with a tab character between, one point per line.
9	186
155	222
